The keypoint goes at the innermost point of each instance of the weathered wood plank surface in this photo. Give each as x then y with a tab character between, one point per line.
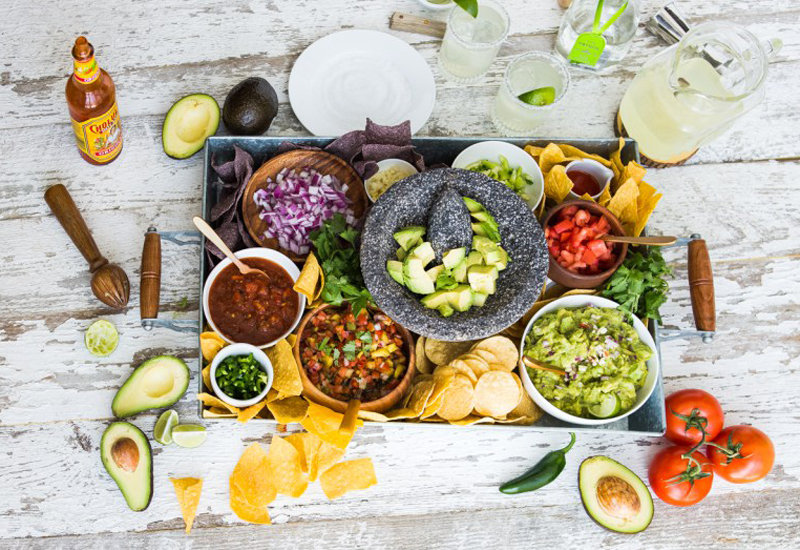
55	398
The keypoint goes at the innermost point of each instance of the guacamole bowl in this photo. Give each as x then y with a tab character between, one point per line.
642	394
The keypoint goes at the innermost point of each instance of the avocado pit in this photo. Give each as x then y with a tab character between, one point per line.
125	454
618	498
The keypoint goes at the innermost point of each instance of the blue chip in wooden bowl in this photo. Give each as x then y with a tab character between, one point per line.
409	202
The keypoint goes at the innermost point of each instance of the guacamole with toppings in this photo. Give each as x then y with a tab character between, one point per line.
601	354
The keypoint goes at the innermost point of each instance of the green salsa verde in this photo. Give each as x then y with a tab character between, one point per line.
601	353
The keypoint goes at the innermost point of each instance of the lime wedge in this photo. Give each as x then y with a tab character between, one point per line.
101	338
607	408
188	435
164	425
539	96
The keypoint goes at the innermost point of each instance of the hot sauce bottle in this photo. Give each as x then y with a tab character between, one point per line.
92	103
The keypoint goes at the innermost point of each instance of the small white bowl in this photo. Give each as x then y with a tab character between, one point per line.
391	163
642	395
516	157
241	349
602	174
437	6
267	254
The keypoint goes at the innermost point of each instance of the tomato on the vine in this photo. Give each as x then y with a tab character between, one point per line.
741	454
689	412
678	480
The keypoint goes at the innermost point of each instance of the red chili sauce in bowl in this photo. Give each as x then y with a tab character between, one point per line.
252	308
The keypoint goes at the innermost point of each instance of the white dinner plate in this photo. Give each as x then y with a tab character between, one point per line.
346	77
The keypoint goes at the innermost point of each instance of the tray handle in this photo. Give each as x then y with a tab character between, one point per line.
701	286
150	277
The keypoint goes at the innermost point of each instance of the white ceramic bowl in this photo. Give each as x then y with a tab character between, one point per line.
241	349
439	7
385	165
599	172
641	396
516	157
267	254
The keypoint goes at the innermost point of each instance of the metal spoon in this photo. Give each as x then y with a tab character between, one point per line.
648	241
534	364
212	236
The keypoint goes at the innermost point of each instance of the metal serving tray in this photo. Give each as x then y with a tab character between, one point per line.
649	420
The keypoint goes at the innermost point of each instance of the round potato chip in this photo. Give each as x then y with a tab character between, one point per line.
441	352
527	409
442	379
502	348
416	380
423	364
458	399
475	362
496	394
522	392
462	368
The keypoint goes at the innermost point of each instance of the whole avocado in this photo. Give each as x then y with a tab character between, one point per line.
250	107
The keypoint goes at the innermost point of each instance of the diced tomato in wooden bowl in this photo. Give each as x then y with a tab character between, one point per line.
578	256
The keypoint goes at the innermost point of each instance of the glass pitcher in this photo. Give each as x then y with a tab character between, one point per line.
689	94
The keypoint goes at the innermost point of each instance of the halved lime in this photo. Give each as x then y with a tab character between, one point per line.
164	426
188	435
101	338
539	96
607	408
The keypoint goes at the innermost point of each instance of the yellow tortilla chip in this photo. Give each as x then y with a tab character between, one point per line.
326	420
616	163
572	151
214	401
625	196
286	377
210	344
442	352
336	438
306	444
188	491
286	468
633	170
246	511
206	372
557	184
587	197
272	395
630	213
351	475
325	456
645	210
311	279
473	419
458	399
496	394
253	477
534	151
421	361
605	196
550	157
250	412
372	416
291	409
215	412
292	338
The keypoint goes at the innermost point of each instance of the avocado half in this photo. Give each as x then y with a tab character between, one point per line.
189	122
614	496
158	382
127	457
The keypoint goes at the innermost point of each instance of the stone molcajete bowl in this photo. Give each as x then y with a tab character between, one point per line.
409	202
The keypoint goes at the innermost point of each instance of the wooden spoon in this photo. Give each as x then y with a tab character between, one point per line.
647	241
534	364
350	417
212	236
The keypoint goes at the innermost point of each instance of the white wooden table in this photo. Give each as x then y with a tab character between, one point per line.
435	490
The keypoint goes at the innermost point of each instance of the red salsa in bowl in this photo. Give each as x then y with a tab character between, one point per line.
251	308
353	358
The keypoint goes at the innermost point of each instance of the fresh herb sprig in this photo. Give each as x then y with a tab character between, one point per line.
335	246
639	285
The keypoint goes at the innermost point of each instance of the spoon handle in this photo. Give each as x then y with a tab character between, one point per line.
534	364
60	202
212	236
648	241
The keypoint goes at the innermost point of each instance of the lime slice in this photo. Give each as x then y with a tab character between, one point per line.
188	435
539	96
607	408
101	338
164	425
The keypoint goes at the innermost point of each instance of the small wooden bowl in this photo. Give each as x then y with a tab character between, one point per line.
379	405
576	280
322	162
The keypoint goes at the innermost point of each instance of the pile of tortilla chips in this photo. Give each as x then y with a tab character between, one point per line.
188	491
628	197
465	383
294	461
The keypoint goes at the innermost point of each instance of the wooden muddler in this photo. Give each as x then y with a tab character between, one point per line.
701	286
150	278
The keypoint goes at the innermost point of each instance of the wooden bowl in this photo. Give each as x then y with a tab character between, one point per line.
322	162
379	405
575	280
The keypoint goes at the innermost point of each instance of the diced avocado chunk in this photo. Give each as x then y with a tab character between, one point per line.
415	277
483	216
482	278
453	257
434	272
423	252
474	258
445	310
436	300
401	254
460	298
472	205
460	271
409	237
395	270
478	229
503	263
479	298
494	257
481	243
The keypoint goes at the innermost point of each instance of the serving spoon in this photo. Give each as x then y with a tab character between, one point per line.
212	236
534	364
647	241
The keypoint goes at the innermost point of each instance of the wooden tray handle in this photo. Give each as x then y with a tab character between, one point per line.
701	286
60	202
150	282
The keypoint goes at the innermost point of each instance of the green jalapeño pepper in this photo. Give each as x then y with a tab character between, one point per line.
542	473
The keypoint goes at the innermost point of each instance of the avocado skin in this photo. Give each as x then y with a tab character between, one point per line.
110	466
121	412
250	107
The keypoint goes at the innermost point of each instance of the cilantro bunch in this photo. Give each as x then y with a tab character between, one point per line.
335	245
639	285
